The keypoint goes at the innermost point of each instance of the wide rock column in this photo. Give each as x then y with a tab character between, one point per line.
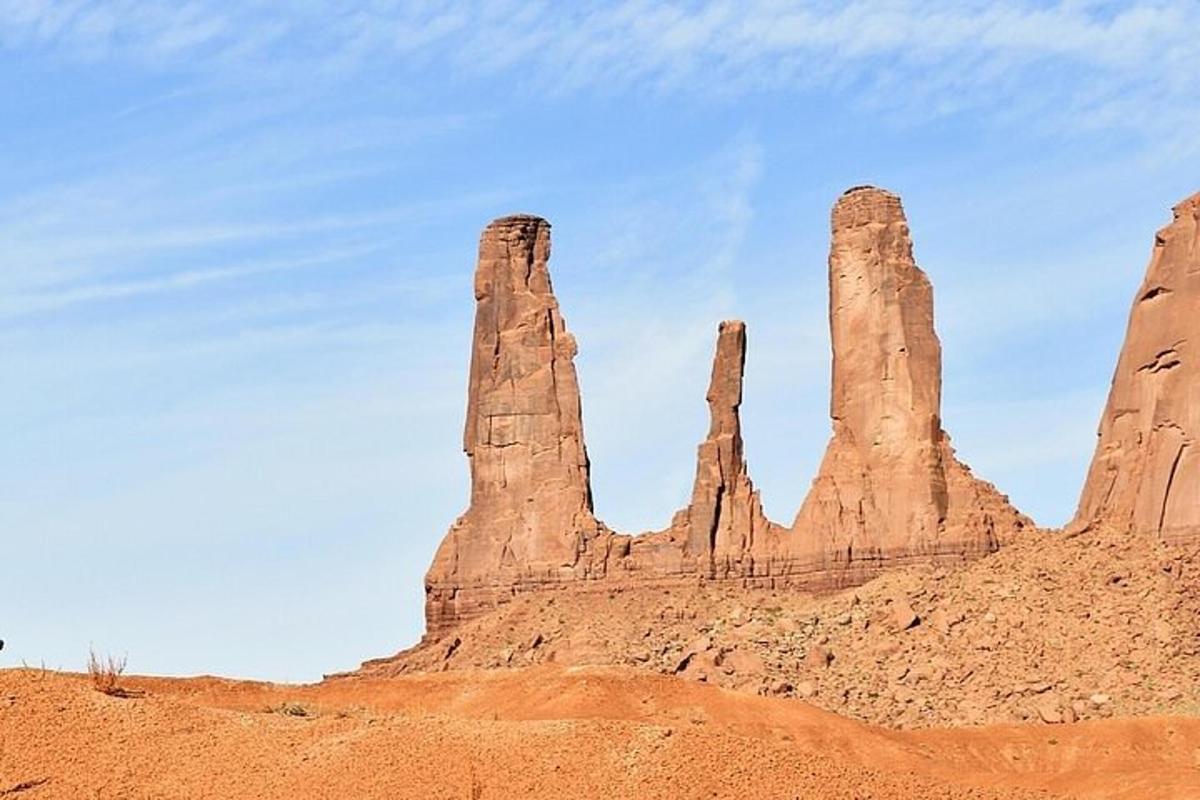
889	486
724	519
530	517
1145	476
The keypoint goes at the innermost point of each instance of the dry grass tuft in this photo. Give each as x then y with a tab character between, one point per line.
106	672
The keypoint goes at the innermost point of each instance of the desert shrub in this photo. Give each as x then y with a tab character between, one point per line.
106	673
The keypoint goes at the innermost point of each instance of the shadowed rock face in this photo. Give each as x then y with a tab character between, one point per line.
890	489
890	485
1145	476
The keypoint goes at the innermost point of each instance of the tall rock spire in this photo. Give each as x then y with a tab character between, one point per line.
530	516
890	485
890	489
1145	476
725	515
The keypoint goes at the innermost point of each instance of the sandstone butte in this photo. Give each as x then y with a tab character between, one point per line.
1145	476
889	491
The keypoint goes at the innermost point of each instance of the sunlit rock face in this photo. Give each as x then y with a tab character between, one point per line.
890	486
1145	476
889	490
530	515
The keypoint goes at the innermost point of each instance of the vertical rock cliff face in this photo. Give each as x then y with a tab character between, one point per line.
530	517
1145	476
889	485
724	523
889	490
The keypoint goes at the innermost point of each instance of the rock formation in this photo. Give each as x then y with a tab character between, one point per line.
889	486
889	489
1145	476
530	516
724	520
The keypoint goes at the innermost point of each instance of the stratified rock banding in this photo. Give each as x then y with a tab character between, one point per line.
1145	476
890	489
890	486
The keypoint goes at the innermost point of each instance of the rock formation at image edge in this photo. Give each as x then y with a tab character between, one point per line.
889	490
1145	475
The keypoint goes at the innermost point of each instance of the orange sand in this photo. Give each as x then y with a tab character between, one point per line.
540	732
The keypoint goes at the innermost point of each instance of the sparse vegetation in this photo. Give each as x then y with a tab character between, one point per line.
42	671
292	709
106	673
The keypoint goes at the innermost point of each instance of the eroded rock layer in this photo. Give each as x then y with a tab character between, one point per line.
889	486
1145	476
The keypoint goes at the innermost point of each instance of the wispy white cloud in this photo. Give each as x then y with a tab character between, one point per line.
61	297
1071	64
87	244
99	239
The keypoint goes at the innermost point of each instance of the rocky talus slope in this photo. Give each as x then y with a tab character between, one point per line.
1053	628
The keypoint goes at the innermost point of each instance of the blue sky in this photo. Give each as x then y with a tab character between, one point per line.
236	246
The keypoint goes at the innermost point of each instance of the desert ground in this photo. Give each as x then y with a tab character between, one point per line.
540	732
1031	673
